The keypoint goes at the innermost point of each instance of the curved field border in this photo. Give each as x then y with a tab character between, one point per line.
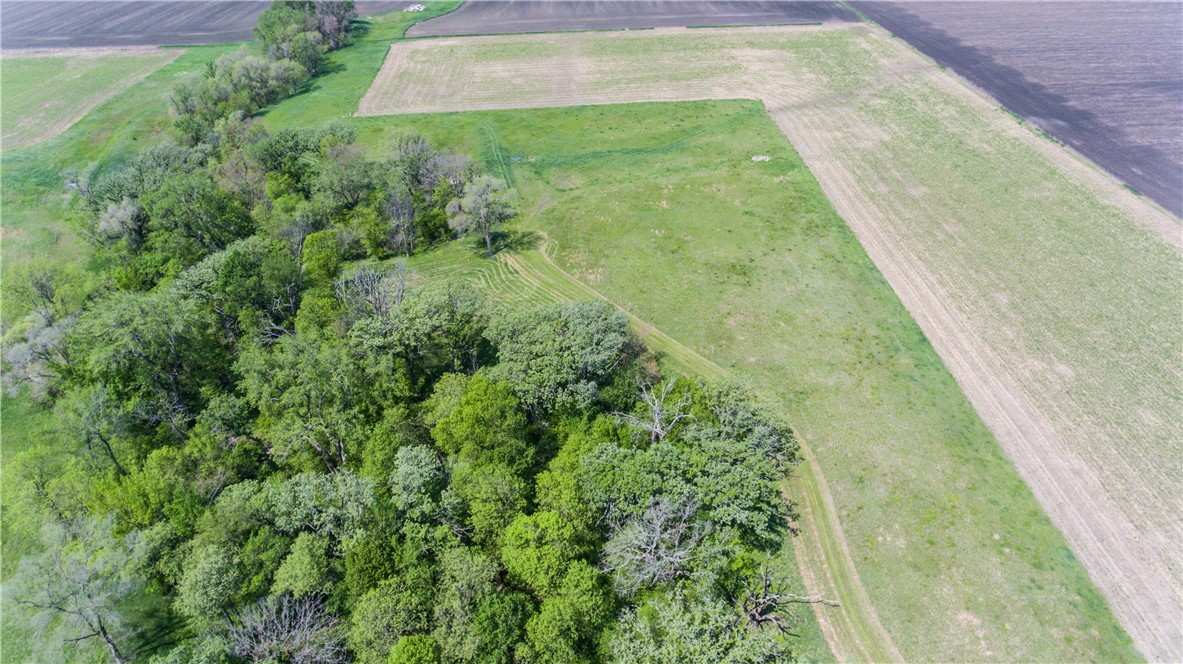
46	91
852	630
854	633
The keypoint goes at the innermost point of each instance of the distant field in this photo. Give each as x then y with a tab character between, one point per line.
485	17
1018	260
46	94
1104	77
35	197
60	24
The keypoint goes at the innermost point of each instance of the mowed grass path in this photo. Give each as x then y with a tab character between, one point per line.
660	208
44	94
1051	293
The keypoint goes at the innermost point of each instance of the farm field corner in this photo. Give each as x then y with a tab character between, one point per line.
604	221
1018	259
46	93
660	208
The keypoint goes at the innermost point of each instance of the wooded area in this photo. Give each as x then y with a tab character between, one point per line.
316	456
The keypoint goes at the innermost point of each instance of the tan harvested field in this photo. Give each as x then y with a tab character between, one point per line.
45	91
1051	293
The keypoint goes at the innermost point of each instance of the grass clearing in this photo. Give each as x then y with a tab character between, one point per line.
660	208
1018	259
45	94
38	201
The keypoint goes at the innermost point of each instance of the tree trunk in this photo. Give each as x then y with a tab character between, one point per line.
119	657
489	243
111	454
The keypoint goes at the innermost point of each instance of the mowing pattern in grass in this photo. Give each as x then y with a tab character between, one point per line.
1019	260
660	208
44	95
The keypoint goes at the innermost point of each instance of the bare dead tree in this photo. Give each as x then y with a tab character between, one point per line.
369	291
284	629
399	207
653	549
455	169
761	603
661	413
284	307
78	582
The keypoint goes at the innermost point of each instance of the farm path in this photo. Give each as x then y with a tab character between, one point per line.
1049	291
853	631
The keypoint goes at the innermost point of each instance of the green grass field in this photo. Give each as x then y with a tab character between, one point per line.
660	208
38	201
44	95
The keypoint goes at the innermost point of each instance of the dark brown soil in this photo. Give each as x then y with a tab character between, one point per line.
512	16
1105	78
56	24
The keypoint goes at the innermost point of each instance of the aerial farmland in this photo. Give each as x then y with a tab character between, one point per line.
592	331
1103	78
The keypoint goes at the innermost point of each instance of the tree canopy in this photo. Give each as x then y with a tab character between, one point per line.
263	416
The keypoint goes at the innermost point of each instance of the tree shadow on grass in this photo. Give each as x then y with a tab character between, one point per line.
310	84
359	28
516	240
504	240
161	628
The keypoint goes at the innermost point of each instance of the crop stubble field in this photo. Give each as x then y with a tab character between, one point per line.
47	92
510	16
1103	77
1049	291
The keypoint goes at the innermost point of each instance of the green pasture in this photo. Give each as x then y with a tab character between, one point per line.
43	95
660	209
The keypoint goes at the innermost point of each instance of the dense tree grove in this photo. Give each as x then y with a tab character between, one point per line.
265	417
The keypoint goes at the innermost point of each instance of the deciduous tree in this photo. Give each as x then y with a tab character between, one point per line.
483	205
81	580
